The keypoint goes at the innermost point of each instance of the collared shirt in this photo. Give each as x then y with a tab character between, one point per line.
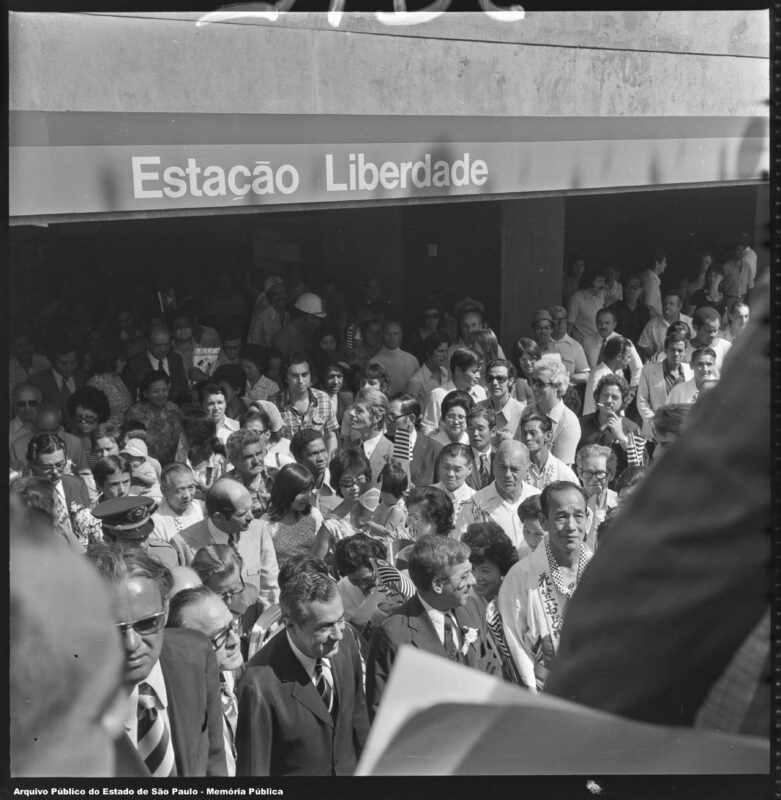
488	504
370	445
156	681
226	427
438	621
320	414
459	497
686	392
719	346
509	417
306	662
552	470
478	457
566	432
168	523
672	377
572	354
70	384
155	361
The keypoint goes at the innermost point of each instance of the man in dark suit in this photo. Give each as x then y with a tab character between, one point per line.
60	381
174	714
481	428
302	708
158	356
444	617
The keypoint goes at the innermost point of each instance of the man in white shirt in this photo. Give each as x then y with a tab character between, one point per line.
507	409
399	364
434	373
180	508
25	401
229	520
706	375
652	282
652	338
465	373
606	329
499	500
544	467
707	326
571	351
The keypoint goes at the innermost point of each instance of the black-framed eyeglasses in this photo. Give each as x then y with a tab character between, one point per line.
219	639
229	594
144	626
538	384
58	467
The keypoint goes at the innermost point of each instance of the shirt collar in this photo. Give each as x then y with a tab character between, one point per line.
153	360
436	616
306	662
371	443
219	537
156	681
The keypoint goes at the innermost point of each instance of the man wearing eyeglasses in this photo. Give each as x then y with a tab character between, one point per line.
229	520
507	409
48	419
25	400
47	459
174	717
200	609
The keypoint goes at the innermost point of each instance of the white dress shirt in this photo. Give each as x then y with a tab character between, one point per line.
489	504
438	621
156	681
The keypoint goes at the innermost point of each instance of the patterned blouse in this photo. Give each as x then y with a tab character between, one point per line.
118	395
295	539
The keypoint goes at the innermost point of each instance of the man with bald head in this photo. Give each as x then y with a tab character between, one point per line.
229	520
48	419
200	609
25	401
499	500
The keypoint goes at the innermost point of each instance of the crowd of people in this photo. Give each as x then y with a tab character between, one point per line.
278	501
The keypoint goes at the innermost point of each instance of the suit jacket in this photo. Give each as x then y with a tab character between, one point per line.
652	392
424	459
474	476
380	457
50	392
284	727
194	708
138	366
410	624
75	491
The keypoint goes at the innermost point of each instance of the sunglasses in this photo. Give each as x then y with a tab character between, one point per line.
145	626
496	379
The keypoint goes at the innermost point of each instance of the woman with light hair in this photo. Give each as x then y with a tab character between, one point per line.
549	384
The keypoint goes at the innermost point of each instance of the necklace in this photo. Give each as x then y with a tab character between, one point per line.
565	586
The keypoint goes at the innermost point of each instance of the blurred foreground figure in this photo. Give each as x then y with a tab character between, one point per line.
670	622
65	664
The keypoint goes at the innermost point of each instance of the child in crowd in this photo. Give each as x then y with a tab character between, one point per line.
144	479
391	513
532	519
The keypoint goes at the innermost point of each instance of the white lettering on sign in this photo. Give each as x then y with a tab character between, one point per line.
362	175
176	181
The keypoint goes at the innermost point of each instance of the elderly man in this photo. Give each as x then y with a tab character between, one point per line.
297	336
658	379
570	350
705	376
302	407
367	421
126	522
174	719
549	384
534	594
707	326
161	358
652	338
652	282
399	364
229	520
443	617
465	373
499	500
25	402
507	410
46	456
247	451
302	707
180	507
200	609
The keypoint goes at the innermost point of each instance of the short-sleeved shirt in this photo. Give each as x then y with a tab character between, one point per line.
320	414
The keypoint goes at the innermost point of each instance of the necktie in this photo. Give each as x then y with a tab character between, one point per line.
160	365
230	715
450	642
485	478
324	684
154	740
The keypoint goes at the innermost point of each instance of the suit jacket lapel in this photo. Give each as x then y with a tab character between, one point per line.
422	629
301	687
175	718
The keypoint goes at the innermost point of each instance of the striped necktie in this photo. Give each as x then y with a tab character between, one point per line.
153	737
324	684
450	642
230	714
